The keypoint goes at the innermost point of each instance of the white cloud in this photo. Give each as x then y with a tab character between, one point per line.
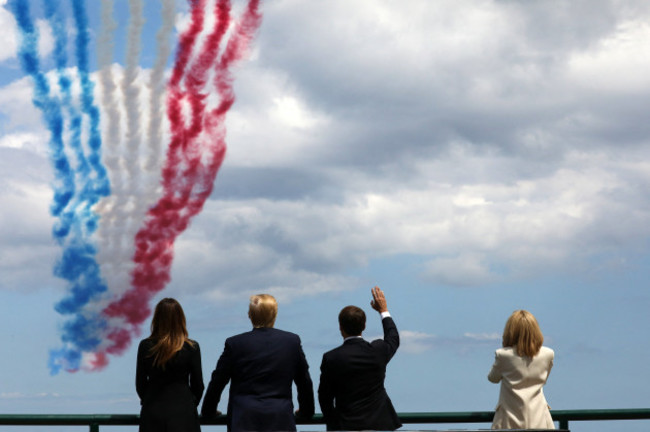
520	228
618	63
17	107
25	228
292	113
9	41
449	131
19	395
483	336
45	38
416	342
467	269
11	395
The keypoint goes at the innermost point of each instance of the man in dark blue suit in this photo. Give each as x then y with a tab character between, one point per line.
261	365
351	391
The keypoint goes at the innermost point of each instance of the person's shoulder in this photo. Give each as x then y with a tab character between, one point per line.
333	352
258	333
239	337
275	332
284	333
192	345
145	346
505	352
546	352
146	342
286	336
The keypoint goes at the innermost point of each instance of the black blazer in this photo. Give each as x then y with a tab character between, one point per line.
169	396
351	391
261	366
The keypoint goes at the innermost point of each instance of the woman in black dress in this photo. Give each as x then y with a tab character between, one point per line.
168	376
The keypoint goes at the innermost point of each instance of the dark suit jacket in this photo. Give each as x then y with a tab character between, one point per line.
261	365
351	391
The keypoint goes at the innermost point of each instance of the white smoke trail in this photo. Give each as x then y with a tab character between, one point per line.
135	183
108	238
128	201
157	87
131	92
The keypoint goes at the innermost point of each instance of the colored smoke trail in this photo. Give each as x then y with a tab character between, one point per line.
138	174
107	233
131	92
157	89
125	206
193	158
100	317
100	186
134	301
64	186
78	264
52	14
76	187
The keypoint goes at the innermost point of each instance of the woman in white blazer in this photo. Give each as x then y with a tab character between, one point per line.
522	366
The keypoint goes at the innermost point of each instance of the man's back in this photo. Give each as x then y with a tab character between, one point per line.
351	392
264	363
261	365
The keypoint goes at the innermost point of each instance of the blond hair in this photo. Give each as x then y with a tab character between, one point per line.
523	333
262	310
168	331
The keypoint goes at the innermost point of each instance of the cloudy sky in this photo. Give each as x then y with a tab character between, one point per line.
469	157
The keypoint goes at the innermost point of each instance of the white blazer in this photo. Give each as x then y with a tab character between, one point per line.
522	404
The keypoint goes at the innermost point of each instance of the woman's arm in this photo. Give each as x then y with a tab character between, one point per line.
495	373
141	373
196	374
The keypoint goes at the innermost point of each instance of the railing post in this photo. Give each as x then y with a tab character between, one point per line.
94	427
564	424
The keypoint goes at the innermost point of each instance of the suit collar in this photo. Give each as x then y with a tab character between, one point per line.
353	340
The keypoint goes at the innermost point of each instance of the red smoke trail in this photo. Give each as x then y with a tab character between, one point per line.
184	145
186	42
194	157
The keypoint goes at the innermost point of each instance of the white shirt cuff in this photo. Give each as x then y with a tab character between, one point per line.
385	314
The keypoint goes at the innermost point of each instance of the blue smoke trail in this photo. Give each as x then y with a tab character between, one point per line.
100	186
64	186
65	84
78	264
72	205
75	123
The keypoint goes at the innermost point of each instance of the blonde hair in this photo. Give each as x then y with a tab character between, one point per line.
262	310
523	333
168	331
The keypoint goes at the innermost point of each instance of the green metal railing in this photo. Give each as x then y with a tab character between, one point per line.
94	421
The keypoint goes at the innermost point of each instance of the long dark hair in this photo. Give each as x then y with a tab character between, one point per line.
168	331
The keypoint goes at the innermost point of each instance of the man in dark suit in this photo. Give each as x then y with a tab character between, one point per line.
261	365
351	391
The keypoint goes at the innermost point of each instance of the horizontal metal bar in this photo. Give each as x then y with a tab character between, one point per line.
407	418
602	414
